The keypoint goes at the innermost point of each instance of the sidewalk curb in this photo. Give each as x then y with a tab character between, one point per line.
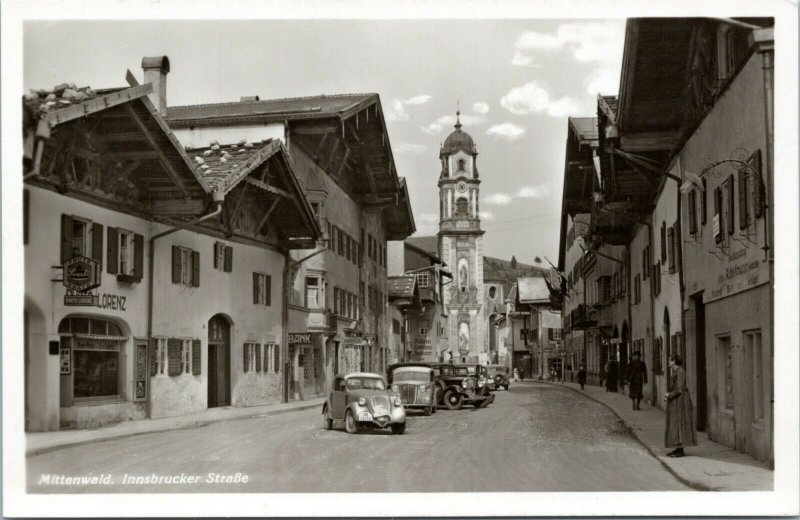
181	426
697	486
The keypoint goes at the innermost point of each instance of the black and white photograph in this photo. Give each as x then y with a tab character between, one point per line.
400	259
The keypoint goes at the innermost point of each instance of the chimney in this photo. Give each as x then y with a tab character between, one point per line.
155	70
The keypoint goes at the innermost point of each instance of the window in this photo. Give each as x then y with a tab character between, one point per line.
703	204
657	279
223	257
645	262
492	292
161	356
663	242
423	279
637	289
395	327
731	204
125	255
331	240
692	209
262	289
604	289
461	165
275	357
336	301
555	334
185	266
657	356
313	300
251	358
744	210
671	249
423	331
339	242
80	237
462	206
718	222
186	356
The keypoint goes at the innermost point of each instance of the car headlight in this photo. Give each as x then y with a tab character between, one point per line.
398	402
480	383
362	401
396	388
468	383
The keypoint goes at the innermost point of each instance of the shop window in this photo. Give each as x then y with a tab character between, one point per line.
223	257
725	353
95	356
755	360
262	289
313	299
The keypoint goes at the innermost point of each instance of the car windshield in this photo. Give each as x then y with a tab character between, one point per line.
415	375
462	371
365	383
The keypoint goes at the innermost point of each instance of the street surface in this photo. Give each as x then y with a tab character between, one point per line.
536	437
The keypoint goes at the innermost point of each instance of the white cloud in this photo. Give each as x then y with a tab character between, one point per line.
600	42
480	108
486	215
507	131
498	199
533	192
448	121
604	80
418	100
409	148
532	98
396	110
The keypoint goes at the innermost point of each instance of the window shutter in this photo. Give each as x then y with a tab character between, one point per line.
258	357
704	204
228	267
26	214
138	257
692	212
195	269
196	357
66	237
731	206
267	290
718	216
246	359
671	249
217	245
255	288
663	241
97	243
744	214
276	357
153	354
176	264
174	356
756	185
112	262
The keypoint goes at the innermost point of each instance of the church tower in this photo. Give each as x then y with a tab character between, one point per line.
461	246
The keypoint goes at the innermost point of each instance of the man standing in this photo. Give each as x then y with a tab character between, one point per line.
637	378
582	374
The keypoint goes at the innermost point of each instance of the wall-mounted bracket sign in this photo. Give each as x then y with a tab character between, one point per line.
81	273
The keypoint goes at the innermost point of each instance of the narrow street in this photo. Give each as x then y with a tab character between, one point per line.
536	437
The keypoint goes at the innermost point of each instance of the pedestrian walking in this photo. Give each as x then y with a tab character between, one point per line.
679	430
637	378
582	374
516	374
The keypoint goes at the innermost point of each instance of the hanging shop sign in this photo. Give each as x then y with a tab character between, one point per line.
81	273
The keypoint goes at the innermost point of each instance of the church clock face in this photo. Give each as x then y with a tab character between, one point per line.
461	186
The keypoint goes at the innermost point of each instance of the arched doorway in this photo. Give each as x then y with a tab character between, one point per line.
219	361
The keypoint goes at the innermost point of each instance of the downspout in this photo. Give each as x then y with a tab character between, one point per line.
219	199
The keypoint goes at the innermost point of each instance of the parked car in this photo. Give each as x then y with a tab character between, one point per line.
497	376
362	400
415	385
461	384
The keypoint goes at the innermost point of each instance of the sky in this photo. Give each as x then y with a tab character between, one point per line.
515	81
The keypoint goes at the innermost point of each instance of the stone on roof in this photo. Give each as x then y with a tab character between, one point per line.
401	286
217	162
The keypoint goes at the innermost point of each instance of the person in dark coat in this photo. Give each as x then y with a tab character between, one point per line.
679	431
582	375
612	375
637	378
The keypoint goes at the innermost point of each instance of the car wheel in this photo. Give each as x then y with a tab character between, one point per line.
452	400
428	411
484	403
433	409
398	428
327	422
350	424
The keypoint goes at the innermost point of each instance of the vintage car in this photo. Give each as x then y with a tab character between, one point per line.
362	400
497	376
415	385
461	384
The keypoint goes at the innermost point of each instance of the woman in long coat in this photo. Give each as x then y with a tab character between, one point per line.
637	377
680	414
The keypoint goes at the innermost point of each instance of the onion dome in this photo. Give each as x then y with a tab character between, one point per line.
458	140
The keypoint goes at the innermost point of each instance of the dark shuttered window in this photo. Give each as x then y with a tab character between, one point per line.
174	359
112	260
66	238
97	243
731	206
228	267
744	211
195	269
138	257
176	264
693	212
257	348
196	357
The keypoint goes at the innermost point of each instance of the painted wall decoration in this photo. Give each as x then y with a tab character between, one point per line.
463	337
